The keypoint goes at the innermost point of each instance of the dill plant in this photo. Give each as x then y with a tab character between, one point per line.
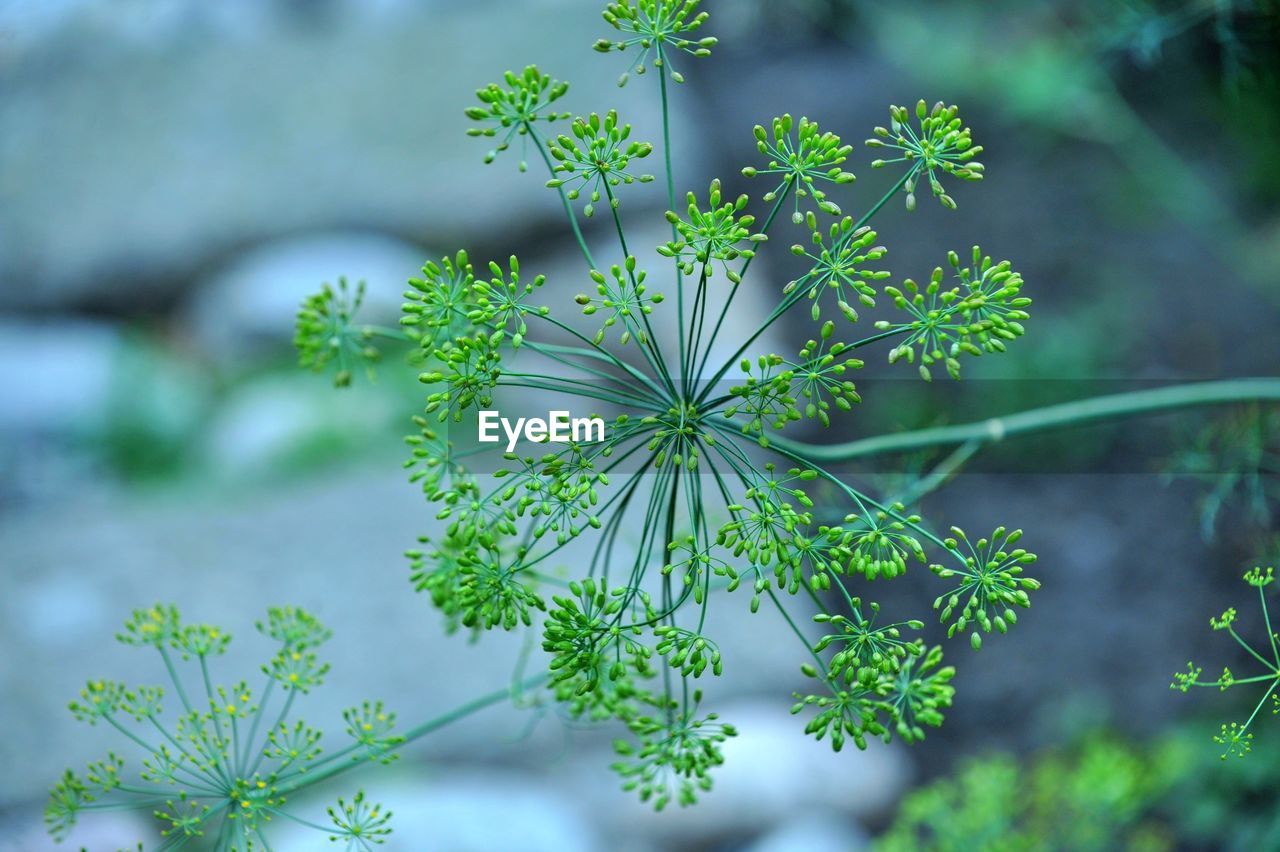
730	511
1236	738
223	763
696	459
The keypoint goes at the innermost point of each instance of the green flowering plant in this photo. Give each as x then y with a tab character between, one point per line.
326	335
1236	738
657	28
595	159
942	143
217	763
506	112
720	498
682	503
802	156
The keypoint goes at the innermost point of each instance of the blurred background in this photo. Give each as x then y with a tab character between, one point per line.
176	175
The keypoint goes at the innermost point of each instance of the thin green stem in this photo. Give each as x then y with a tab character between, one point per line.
941	474
564	199
1249	648
1265	696
800	290
575	388
602	353
724	309
257	721
1237	682
1266	618
671	205
551	352
419	731
651	344
1059	416
283	714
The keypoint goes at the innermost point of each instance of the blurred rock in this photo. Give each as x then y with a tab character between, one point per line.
224	129
467	810
272	423
93	831
813	831
248	306
83	397
56	376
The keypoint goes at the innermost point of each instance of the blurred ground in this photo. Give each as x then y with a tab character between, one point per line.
176	176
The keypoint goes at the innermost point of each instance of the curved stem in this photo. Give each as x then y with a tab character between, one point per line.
1059	416
419	731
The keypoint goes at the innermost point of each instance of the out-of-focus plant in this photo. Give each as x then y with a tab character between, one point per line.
1101	791
1237	458
1095	796
218	761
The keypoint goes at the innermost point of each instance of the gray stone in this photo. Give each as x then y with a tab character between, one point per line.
248	306
462	809
56	375
178	150
813	831
100	831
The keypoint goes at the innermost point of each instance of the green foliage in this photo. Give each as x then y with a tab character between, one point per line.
622	298
673	753
1101	791
508	112
981	314
595	159
991	577
778	390
440	303
878	694
360	824
715	234
1098	796
838	260
229	758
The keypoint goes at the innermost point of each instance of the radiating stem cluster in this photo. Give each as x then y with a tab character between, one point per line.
614	551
